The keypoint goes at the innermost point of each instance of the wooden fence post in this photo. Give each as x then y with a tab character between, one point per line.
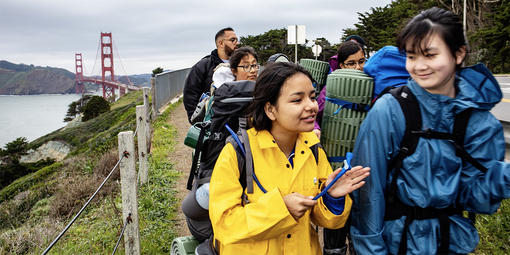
129	191
148	127
141	117
153	90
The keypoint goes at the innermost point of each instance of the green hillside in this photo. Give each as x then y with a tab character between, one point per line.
36	207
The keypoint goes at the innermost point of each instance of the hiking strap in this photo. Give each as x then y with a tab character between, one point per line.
346	104
193	171
248	157
399	209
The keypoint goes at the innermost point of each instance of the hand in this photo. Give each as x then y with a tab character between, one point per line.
298	204
317	133
349	182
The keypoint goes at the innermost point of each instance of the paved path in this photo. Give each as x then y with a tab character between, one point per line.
181	157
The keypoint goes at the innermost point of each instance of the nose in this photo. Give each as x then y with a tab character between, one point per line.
419	64
311	105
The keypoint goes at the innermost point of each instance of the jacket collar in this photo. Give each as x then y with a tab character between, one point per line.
266	140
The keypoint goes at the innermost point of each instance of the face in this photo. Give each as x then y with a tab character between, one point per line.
229	42
295	108
354	61
434	69
247	69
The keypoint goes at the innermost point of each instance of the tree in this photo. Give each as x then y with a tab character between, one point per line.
71	111
95	106
14	150
156	71
272	42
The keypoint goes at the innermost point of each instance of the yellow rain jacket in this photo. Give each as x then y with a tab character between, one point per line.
265	226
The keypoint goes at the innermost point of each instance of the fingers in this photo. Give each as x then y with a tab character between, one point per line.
298	204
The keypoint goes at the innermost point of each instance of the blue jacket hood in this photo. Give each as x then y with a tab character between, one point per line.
476	88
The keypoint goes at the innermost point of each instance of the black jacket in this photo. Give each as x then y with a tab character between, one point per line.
199	81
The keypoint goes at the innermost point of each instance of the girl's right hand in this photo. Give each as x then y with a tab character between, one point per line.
298	204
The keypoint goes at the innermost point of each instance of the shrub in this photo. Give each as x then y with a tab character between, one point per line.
95	106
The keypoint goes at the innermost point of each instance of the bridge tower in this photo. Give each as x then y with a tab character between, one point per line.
107	64
78	78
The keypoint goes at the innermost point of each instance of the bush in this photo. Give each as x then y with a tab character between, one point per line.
95	106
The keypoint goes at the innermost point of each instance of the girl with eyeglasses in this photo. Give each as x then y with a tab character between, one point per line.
351	55
277	219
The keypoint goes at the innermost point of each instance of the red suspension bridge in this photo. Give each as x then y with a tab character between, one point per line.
108	82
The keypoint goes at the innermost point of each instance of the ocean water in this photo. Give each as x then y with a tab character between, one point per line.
32	116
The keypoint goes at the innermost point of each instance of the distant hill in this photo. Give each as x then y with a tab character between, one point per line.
22	79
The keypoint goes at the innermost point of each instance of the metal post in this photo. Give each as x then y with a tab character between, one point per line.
141	117
129	191
295	49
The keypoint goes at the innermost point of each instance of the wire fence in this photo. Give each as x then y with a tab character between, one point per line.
128	177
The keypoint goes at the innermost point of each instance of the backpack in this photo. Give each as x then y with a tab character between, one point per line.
395	209
208	138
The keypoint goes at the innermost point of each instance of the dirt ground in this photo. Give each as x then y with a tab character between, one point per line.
181	158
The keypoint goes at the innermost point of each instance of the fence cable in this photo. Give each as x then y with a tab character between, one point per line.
128	220
125	154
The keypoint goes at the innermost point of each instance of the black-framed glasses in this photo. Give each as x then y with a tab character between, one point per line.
232	40
248	68
353	63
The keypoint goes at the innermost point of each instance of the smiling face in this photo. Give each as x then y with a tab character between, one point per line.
433	67
248	62
295	108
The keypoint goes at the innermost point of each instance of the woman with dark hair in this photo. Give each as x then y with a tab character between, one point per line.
413	201
279	213
243	65
351	55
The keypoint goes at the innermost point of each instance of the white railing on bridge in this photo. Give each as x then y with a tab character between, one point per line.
167	86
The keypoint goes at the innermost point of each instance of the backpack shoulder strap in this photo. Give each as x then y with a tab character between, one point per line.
459	133
315	151
412	114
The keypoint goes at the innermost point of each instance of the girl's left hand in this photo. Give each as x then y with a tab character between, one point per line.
349	182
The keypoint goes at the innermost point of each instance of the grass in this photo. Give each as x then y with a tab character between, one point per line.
494	231
97	230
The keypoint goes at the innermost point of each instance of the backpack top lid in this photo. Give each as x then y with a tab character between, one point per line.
388	67
231	100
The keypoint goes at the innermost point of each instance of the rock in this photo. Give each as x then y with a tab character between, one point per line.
52	149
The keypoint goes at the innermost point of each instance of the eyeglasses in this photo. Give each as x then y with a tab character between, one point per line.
352	64
232	40
248	68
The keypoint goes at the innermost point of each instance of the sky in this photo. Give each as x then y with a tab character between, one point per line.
171	34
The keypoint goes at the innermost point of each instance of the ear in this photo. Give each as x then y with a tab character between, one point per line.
270	111
341	65
460	55
234	71
220	43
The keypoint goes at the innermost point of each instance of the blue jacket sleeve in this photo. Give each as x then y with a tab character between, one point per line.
482	192
377	142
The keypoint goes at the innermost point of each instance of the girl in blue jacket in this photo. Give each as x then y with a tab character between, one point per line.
434	185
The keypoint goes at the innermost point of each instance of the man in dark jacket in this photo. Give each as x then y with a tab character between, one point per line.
200	77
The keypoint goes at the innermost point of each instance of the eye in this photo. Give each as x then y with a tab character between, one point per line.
410	57
429	55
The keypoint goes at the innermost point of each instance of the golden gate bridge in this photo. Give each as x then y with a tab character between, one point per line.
108	82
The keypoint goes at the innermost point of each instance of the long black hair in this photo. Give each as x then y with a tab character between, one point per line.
435	20
268	89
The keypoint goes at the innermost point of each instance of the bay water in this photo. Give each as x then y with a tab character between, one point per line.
32	116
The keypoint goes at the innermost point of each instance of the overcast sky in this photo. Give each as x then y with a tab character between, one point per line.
172	34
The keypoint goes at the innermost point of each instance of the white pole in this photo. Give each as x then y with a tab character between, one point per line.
464	18
129	189
295	49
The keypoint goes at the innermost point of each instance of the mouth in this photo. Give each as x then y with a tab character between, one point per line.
423	76
310	118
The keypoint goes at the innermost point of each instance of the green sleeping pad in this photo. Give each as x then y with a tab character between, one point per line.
184	245
340	125
318	69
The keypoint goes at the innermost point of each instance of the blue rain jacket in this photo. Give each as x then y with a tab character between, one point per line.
433	176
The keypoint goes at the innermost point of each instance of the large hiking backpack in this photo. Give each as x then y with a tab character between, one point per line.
229	103
395	209
319	71
348	95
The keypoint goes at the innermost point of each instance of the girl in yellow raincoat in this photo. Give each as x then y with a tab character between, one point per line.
279	220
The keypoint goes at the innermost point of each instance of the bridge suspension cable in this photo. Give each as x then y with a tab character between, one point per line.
95	59
120	60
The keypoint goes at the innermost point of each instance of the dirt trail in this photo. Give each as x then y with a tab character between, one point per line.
181	158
